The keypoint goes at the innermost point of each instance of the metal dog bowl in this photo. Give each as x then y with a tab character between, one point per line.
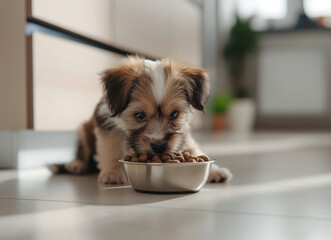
167	177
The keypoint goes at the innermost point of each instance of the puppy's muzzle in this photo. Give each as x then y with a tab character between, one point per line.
159	147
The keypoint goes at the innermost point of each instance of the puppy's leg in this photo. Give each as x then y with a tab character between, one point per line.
109	146
217	174
86	149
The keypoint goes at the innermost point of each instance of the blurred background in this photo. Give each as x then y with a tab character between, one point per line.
269	64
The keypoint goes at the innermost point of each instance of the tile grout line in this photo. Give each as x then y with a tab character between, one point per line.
171	208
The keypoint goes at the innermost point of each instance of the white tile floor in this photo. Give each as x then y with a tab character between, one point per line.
281	193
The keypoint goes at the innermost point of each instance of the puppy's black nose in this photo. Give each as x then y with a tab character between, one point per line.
159	147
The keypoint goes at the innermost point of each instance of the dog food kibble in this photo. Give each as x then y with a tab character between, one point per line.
127	158
189	157
179	158
143	157
157	161
166	158
175	161
156	158
205	158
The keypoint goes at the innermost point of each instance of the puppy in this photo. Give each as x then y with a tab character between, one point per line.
146	108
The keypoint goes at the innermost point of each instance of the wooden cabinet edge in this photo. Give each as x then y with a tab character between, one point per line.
29	82
28	9
13	49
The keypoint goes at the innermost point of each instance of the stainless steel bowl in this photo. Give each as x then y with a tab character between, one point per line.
167	177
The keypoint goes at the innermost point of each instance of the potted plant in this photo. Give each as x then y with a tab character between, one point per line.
219	105
242	42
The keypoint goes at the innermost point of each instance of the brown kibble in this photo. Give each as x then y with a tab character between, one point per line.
127	158
179	158
172	161
185	154
155	158
205	158
157	161
143	158
170	155
189	156
165	157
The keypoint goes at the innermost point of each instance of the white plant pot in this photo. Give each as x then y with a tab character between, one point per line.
241	116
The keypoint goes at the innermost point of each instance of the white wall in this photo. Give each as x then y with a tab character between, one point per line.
293	82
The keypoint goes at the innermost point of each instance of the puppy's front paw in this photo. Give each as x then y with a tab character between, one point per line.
218	174
76	166
112	176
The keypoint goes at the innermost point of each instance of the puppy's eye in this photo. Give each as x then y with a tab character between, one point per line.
140	116
173	115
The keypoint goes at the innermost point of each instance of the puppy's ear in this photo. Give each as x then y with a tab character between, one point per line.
197	86
117	84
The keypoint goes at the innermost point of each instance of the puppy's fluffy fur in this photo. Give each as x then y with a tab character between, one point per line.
156	90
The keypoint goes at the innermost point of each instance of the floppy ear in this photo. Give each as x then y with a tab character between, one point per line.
197	86
117	84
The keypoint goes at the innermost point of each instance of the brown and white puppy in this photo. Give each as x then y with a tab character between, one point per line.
146	108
